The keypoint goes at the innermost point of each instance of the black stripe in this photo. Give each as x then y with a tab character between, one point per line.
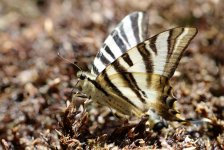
108	50
119	41
170	46
95	70
127	59
169	90
153	44
110	84
98	86
135	29
146	56
123	34
134	83
149	80
170	38
171	72
130	80
102	58
177	62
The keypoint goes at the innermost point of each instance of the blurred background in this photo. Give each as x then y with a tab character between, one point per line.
35	83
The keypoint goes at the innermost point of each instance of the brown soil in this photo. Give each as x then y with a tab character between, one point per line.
36	108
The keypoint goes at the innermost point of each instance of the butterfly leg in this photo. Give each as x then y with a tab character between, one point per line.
155	121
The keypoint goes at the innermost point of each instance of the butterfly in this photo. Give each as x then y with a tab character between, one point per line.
131	71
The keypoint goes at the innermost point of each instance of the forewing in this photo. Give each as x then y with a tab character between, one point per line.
158	55
131	31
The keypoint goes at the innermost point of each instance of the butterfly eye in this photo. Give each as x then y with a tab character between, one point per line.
81	75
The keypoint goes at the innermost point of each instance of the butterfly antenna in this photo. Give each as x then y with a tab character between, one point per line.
74	63
72	91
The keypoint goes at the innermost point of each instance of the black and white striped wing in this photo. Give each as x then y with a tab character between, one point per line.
140	76
132	30
158	55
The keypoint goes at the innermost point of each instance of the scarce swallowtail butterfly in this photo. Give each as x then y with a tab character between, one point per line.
131	72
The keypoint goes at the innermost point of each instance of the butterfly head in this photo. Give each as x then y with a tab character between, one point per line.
82	78
85	83
81	75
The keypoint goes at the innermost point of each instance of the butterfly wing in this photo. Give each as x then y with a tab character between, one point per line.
158	55
140	76
131	31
